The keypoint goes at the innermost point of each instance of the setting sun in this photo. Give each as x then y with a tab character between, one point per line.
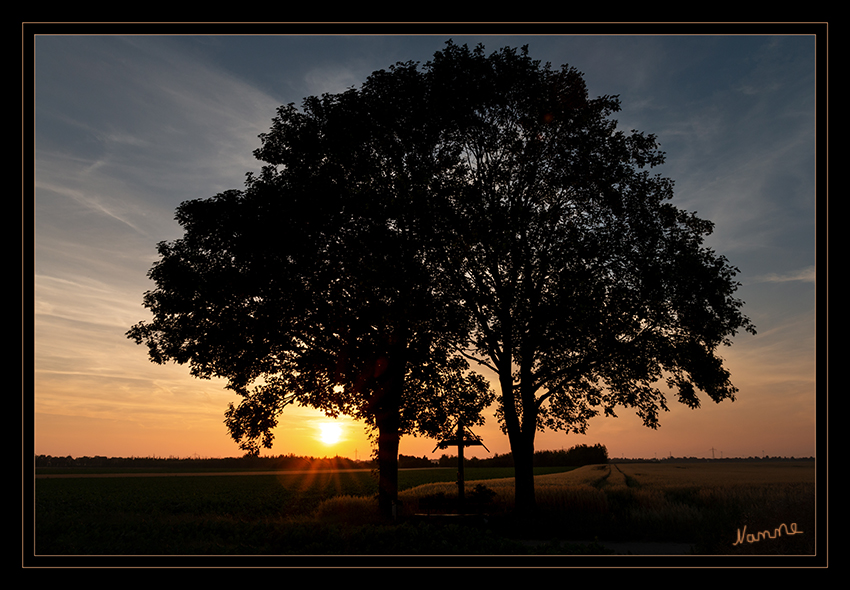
330	433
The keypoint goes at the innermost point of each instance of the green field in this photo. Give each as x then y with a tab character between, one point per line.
217	514
334	513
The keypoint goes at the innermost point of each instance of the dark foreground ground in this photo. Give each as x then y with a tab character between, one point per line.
287	517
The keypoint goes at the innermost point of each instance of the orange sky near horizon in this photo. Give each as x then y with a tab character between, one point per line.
164	412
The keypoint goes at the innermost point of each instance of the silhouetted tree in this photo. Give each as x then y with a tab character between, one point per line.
317	283
586	455
482	205
586	286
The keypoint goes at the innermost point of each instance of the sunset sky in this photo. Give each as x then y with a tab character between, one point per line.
127	127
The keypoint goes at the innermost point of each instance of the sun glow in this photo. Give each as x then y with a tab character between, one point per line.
330	433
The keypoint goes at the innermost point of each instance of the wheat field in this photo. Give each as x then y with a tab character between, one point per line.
592	478
706	504
698	474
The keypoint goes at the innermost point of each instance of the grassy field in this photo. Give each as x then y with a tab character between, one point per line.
204	514
704	505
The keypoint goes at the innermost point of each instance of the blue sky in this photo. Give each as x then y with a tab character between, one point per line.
127	127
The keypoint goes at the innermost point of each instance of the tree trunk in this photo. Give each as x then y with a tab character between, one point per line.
521	440
522	448
388	439
388	421
526	502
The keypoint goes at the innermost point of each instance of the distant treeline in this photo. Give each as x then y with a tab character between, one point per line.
288	462
576	456
727	459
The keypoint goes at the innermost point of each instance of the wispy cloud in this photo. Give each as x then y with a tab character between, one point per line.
804	274
168	128
331	79
91	201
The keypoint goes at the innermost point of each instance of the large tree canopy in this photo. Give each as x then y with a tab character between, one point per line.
586	286
480	208
317	284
